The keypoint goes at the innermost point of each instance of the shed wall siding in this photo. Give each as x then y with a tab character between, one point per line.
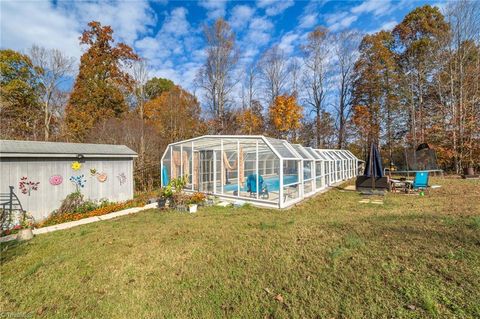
48	197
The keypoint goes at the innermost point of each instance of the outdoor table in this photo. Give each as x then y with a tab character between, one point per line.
398	185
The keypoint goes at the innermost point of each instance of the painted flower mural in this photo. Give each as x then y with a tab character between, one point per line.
55	180
76	166
102	177
26	186
78	181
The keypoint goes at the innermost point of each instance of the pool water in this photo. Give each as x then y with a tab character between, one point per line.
272	183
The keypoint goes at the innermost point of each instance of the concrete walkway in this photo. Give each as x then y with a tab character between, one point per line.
83	221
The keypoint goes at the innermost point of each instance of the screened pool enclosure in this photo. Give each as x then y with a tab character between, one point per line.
257	169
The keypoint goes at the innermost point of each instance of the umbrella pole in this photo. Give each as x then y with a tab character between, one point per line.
372	171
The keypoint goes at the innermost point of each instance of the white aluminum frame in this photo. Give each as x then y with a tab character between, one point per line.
298	153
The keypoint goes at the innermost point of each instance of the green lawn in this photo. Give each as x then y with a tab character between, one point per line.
330	257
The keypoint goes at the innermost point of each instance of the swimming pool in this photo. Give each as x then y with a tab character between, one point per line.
272	183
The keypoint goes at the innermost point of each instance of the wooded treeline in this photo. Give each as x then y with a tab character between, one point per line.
419	83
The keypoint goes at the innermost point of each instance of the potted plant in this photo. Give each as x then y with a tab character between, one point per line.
180	201
25	234
166	194
195	200
192	208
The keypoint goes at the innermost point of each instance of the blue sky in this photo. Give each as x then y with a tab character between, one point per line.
169	33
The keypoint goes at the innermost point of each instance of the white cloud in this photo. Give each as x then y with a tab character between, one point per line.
215	8
175	37
274	7
287	43
176	23
442	6
377	7
308	21
387	26
127	19
241	15
340	21
24	23
259	32
174	52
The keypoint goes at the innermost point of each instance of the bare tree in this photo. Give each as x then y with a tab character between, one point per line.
249	88
274	72
295	71
251	81
345	52
460	92
140	77
315	57
54	68
217	76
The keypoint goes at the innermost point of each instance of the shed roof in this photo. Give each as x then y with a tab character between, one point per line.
9	148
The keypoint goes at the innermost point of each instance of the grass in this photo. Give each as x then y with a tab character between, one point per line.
330	257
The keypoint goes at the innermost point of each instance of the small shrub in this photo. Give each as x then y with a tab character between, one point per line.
89	209
197	198
180	199
71	203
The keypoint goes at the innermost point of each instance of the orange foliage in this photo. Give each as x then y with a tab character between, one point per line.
249	122
101	83
175	114
285	114
63	218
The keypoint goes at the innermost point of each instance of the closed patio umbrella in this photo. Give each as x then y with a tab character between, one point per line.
373	166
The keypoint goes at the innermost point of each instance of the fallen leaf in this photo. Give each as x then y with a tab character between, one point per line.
279	298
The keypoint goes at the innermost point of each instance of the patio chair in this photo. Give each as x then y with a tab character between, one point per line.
420	182
252	186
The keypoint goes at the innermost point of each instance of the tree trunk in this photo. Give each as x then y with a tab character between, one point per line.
46	122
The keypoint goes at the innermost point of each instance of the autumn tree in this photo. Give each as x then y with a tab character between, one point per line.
140	97
130	130
54	69
285	115
175	115
307	131
217	76
156	86
315	57
250	120
375	89
458	87
101	85
366	125
419	39
20	109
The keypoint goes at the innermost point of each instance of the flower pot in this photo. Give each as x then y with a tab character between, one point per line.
24	234
192	208
162	202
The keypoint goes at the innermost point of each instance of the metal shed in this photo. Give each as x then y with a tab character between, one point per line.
44	173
